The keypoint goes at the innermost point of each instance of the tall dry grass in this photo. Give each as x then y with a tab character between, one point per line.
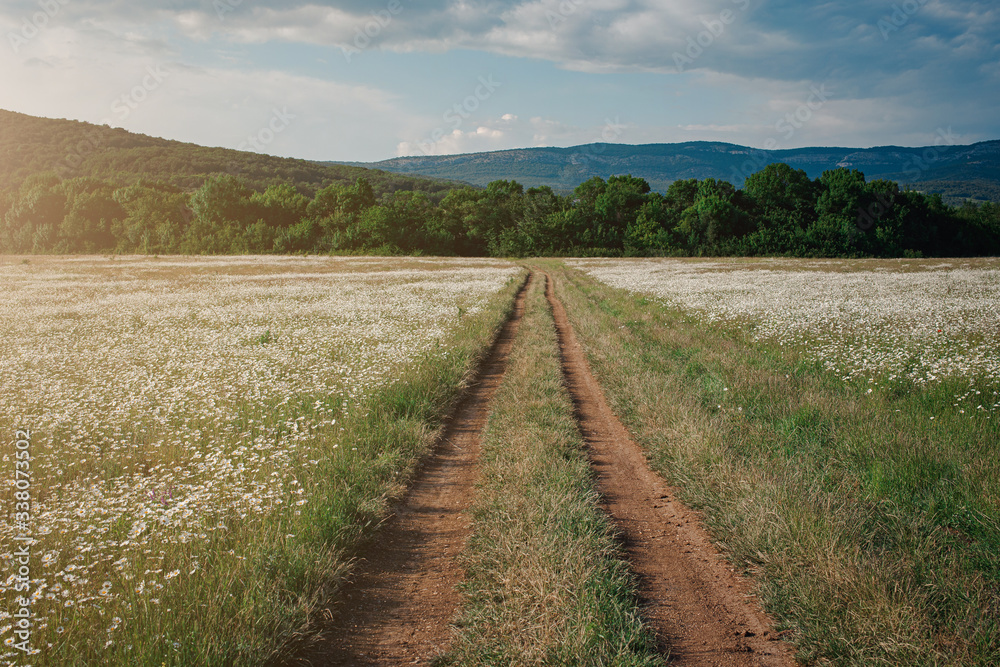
869	521
546	583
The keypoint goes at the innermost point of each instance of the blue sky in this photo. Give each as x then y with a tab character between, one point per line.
366	81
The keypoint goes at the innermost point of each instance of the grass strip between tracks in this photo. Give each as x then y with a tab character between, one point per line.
545	580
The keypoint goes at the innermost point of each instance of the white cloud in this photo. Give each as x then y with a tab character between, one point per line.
482	138
779	39
76	73
754	59
509	131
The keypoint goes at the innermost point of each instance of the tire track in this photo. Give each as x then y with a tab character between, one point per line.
402	597
692	599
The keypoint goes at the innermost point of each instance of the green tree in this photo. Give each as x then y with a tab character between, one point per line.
784	201
459	211
416	224
616	208
843	214
356	198
157	220
224	200
326	202
306	235
31	223
538	232
478	218
89	223
279	206
652	231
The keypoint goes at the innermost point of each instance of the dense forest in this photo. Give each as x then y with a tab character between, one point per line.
779	211
70	187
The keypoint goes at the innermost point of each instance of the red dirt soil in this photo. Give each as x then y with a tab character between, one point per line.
693	600
402	595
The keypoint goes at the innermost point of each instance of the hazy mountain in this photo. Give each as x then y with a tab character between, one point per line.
971	171
30	145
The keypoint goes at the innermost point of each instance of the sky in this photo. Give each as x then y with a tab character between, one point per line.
357	80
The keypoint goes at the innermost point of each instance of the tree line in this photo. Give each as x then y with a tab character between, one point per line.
778	211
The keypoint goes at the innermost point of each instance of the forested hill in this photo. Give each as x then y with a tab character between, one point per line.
68	187
72	149
956	172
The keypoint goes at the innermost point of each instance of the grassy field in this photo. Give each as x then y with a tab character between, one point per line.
546	583
212	437
849	461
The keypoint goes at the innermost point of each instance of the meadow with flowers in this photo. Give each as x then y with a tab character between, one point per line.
211	439
867	321
190	418
837	422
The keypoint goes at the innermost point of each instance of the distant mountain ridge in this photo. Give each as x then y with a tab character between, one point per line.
958	172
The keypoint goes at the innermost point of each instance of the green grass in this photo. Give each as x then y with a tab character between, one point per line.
545	580
262	583
872	530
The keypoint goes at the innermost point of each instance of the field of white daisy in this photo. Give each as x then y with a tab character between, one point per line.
180	407
867	321
836	422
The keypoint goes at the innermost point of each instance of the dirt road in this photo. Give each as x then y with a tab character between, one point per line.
697	605
403	595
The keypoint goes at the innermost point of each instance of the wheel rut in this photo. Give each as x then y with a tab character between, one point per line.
699	608
402	595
